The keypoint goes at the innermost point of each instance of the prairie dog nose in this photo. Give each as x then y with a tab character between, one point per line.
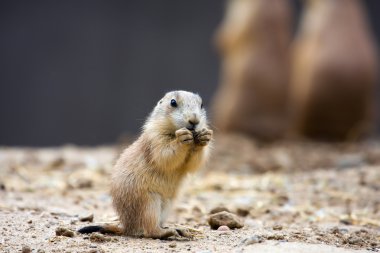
193	121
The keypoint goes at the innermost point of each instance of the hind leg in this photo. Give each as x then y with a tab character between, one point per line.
151	219
165	207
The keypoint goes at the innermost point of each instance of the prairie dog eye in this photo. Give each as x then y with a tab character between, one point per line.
173	103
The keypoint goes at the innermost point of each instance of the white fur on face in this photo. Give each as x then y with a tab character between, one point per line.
188	108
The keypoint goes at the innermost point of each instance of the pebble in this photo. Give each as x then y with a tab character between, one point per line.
172	245
58	162
275	237
219	209
223	228
84	183
224	219
350	161
242	211
277	227
197	210
346	221
355	240
26	249
62	231
80	183
89	218
97	237
337	231
253	240
96	251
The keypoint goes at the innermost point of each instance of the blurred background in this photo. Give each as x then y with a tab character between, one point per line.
87	72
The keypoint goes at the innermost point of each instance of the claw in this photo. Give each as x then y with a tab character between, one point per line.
183	232
203	137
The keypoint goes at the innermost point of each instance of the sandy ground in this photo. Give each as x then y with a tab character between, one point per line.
292	197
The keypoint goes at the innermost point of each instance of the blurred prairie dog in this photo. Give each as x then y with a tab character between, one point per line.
253	41
335	70
146	178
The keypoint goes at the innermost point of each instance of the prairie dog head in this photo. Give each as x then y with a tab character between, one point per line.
178	109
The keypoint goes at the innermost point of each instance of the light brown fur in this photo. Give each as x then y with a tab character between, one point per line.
148	173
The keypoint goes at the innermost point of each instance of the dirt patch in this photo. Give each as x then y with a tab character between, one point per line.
320	194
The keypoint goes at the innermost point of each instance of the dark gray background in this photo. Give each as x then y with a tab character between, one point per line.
85	72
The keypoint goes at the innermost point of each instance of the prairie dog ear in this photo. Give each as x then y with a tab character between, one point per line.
159	102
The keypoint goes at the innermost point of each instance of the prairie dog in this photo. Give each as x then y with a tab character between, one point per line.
174	141
253	41
335	71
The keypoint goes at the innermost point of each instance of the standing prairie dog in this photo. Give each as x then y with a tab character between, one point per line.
146	178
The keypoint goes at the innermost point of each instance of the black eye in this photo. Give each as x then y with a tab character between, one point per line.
173	103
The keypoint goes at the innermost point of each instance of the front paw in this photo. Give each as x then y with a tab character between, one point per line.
203	137
184	136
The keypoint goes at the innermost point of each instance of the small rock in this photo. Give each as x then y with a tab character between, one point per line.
197	212
224	219
197	209
277	227
97	237
350	161
172	245
252	240
242	211
219	209
89	218
62	231
282	199
30	221
346	220
355	240
57	163
83	183
338	231
95	250
335	230
26	249
40	251
80	180
223	228
276	237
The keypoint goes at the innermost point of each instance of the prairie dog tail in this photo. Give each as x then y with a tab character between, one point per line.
104	229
